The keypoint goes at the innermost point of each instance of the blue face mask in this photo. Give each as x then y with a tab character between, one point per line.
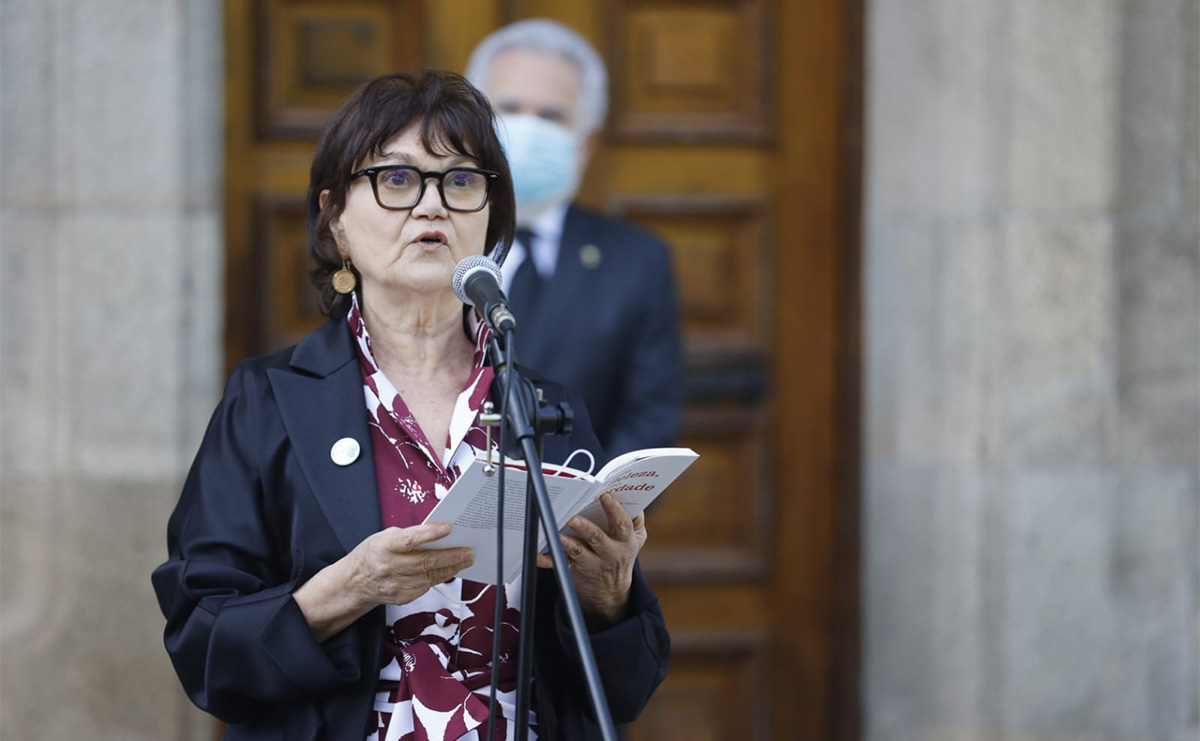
544	157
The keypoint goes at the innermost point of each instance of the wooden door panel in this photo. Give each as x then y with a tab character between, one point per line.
713	525
685	74
287	306
690	70
313	53
726	137
722	255
718	690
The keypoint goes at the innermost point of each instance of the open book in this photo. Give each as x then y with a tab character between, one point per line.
634	478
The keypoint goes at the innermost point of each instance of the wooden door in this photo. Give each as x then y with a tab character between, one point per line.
732	133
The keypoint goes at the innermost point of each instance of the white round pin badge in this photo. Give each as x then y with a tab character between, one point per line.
591	256
345	451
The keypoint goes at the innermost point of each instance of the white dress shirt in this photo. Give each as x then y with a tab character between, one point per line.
547	229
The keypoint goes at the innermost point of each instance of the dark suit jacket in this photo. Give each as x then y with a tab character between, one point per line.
264	508
611	332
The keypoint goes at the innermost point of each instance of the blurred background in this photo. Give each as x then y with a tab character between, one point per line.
940	274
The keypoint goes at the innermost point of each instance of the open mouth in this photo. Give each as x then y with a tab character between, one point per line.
431	239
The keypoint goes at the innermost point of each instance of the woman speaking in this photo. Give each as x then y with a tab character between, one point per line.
305	594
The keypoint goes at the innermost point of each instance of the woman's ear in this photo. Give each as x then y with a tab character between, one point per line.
335	226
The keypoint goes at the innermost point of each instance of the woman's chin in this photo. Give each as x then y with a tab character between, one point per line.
431	280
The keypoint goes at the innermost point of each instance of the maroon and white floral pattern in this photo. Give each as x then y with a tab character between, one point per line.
436	665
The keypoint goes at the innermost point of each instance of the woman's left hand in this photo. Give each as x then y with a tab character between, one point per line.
602	562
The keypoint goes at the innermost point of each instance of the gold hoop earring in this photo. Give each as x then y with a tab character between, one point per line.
344	280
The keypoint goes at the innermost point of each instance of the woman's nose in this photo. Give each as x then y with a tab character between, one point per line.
430	203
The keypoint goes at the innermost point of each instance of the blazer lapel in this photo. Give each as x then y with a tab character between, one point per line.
321	402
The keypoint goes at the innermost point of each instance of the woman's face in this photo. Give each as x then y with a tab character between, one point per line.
414	250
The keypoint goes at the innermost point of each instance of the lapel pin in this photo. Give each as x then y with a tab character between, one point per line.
590	256
345	451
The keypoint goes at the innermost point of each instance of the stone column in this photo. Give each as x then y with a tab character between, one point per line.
110	235
1032	400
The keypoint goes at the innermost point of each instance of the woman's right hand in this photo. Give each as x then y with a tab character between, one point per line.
387	568
384	569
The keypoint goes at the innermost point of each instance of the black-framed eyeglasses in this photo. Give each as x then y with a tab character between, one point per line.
401	187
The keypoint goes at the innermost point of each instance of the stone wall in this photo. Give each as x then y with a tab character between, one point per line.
110	247
1032	373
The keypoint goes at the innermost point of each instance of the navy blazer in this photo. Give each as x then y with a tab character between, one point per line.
264	508
610	331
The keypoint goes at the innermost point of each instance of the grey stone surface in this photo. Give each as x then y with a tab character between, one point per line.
1159	305
927	523
1059	386
31	425
110	243
903	284
200	334
201	104
27	140
1100	603
957	617
122	99
929	120
1160	419
971	320
1061	104
1151	105
92	665
917	269
898	642
1032	391
1189	162
30	563
125	319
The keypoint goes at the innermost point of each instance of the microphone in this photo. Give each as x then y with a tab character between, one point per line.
477	283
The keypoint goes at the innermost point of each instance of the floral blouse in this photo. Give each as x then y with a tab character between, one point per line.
436	665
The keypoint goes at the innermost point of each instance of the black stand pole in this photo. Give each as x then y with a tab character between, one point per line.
528	601
527	421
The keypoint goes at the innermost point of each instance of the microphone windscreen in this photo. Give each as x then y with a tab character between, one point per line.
465	268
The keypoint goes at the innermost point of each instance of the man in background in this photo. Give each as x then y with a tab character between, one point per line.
594	296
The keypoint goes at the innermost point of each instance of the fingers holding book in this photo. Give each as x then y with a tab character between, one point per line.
601	561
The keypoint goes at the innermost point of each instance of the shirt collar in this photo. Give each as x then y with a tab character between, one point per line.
548	225
547	229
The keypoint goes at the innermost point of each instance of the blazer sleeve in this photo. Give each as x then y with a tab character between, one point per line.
651	397
631	656
234	633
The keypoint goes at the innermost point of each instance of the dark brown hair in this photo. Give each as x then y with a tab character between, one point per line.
456	119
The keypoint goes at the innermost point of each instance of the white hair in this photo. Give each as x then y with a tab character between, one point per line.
550	37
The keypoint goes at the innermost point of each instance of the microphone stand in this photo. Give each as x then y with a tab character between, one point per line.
527	420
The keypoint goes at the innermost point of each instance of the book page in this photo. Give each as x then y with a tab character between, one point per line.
470	508
636	479
633	456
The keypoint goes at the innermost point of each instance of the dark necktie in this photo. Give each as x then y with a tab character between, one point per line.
527	284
